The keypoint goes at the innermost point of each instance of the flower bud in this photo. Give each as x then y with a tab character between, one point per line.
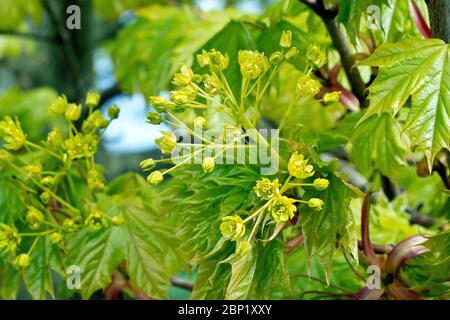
321	184
179	97
118	220
232	227
218	61
203	58
48	181
276	57
155	177
23	260
55	238
167	143
212	84
45	197
92	99
73	112
252	63
34	218
69	226
54	138
33	170
331	97
159	103
113	112
307	87
95	180
147	164
58	106
154	118
184	77
315	203
199	122
286	39
208	164
315	56
94	122
292	52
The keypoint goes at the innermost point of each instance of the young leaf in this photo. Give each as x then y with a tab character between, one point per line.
378	143
419	69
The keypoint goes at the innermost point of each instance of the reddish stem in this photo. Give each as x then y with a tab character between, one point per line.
365	233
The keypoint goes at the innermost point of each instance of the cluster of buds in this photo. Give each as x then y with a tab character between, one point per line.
307	86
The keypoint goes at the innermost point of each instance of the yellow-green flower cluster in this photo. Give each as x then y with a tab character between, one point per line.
252	63
214	59
95	180
81	146
34	218
11	132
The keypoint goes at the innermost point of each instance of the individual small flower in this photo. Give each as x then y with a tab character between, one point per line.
9	238
73	112
218	61
154	118
155	177
180	97
298	166
22	260
243	247
203	58
232	134
212	84
95	180
199	122
315	56
5	156
33	170
55	138
208	164
147	164
276	57
292	52
58	106
307	87
266	189
11	132
48	181
94	122
69	226
113	112
167	143
331	97
159	103
55	238
34	218
92	99
81	146
321	184
232	227
282	208
184	77
96	220
45	197
118	220
315	203
252	63
286	39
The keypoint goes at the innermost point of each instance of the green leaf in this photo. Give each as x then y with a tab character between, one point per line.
334	223
352	11
419	69
10	282
378	143
13	12
146	242
38	275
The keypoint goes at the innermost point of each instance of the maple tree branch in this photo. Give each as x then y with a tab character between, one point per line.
439	12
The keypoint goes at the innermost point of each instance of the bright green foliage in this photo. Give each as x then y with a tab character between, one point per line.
12	12
334	223
419	69
378	143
